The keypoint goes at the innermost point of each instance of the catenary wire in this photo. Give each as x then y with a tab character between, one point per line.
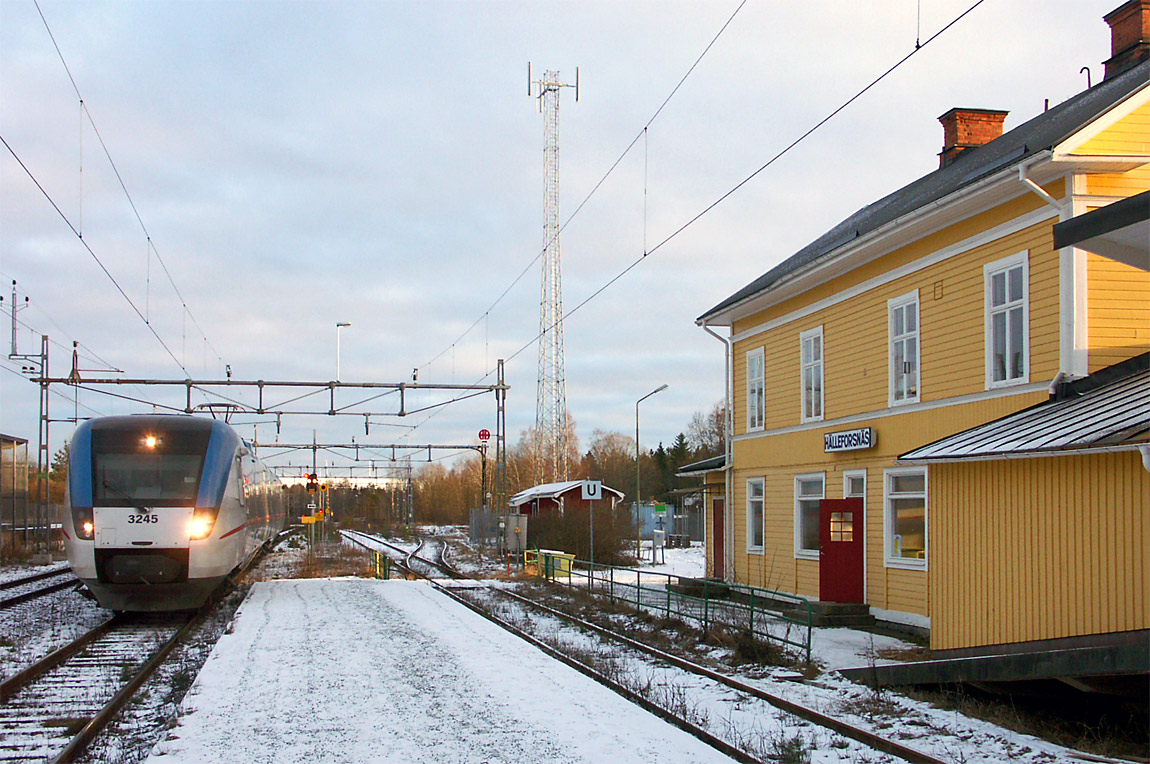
642	132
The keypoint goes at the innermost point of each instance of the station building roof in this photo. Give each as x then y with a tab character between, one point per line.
1106	411
1018	146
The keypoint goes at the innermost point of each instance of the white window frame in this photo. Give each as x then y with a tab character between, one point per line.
899	303
800	552
820	365
906	563
988	272
756	407
751	547
847	475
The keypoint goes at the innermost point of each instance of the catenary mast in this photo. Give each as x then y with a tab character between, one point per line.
551	399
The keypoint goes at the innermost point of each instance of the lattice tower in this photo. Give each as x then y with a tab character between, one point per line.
551	399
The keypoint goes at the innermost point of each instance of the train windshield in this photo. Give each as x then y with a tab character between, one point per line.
137	468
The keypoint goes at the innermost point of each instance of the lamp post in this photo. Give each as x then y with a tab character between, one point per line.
338	326
638	496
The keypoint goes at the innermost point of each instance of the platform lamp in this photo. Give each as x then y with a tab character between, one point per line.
638	496
338	326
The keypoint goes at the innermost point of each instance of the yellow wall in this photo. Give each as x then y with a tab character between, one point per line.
1118	306
1039	549
1130	136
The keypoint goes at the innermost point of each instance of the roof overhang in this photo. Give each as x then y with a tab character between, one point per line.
1119	231
997	188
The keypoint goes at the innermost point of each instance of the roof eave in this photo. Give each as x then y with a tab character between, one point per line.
1038	166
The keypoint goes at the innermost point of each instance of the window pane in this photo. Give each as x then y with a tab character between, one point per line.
1015	283
817	394
1016	343
816	348
915	482
998	289
909	524
998	346
856	486
899	324
756	523
912	317
809	519
806	351
912	355
812	487
755	488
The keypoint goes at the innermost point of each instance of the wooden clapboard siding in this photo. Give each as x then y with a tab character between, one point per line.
1119	184
1041	548
1129	136
1118	306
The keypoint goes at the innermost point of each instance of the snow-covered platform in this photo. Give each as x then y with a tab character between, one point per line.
352	670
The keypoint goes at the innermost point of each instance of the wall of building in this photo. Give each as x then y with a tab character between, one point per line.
1039	548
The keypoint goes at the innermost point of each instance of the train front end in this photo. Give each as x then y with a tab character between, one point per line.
147	496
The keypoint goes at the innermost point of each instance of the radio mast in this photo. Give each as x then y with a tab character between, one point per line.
551	398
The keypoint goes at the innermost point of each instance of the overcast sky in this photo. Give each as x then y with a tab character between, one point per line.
298	164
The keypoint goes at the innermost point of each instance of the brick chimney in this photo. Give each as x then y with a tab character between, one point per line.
1129	36
964	129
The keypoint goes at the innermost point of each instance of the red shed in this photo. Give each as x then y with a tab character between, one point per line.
561	496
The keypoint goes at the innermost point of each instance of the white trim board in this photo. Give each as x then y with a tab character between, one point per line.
978	240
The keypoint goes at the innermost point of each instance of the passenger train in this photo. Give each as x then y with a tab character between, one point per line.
161	508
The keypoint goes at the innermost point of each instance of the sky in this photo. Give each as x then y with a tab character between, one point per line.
300	164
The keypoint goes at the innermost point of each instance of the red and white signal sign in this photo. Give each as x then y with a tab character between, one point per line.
485	435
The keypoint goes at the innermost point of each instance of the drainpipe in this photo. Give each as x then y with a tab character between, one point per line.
728	431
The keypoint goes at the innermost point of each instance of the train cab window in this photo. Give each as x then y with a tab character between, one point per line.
131	467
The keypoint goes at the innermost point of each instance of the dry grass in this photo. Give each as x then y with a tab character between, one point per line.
332	558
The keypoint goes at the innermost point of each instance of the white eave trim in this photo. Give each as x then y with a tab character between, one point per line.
1003	456
1063	150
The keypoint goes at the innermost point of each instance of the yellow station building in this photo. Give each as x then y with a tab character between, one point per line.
937	309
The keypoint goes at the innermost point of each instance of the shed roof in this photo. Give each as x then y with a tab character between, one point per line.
711	464
1039	134
551	491
1108	410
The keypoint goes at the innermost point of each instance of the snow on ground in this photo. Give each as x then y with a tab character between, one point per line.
354	670
14	570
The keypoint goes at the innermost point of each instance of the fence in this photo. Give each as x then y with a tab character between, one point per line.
765	614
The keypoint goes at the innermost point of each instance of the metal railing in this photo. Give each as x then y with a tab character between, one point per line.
765	614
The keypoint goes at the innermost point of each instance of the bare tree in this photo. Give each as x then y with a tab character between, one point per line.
706	431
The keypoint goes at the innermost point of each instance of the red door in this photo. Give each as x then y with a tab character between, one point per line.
841	529
717	536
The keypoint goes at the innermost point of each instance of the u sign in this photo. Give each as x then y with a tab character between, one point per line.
592	490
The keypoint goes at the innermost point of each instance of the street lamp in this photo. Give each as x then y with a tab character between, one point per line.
638	497
338	326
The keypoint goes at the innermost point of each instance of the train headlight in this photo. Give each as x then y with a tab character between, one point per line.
201	524
83	523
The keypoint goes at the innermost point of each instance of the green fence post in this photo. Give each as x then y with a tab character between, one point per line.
706	608
752	612
611	590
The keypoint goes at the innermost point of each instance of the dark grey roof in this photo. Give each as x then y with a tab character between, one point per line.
1039	134
703	465
1108	408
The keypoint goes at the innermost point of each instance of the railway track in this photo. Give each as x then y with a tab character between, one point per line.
20	590
52	709
859	735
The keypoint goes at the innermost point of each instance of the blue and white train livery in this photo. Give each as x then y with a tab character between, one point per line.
162	508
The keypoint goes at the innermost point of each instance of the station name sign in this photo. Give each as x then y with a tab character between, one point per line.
849	440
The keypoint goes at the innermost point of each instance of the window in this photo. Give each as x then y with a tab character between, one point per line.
1007	321
809	491
755	490
755	403
812	372
905	498
904	346
854	484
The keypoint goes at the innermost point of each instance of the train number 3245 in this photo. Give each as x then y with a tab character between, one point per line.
143	519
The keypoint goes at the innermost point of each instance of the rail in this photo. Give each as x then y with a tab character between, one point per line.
765	614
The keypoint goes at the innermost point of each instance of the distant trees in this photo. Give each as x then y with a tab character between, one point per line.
445	495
